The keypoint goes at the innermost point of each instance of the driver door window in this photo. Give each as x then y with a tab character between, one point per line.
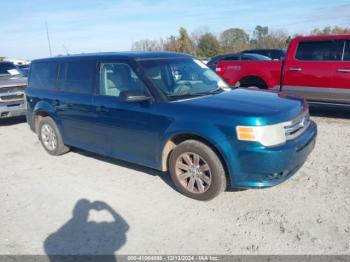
118	77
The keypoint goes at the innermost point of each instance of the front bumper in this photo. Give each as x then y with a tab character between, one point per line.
261	167
12	109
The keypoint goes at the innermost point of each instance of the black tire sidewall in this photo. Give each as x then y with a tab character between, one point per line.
218	183
257	82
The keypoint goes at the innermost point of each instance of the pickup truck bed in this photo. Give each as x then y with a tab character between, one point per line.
316	67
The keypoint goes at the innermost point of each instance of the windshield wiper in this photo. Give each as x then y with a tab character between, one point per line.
183	95
187	95
211	92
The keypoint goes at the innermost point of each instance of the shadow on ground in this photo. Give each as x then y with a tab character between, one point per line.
165	176
79	236
149	171
12	121
330	111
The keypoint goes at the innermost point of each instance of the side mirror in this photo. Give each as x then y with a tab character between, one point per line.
134	96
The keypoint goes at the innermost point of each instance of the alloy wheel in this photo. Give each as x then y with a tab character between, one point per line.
193	172
48	137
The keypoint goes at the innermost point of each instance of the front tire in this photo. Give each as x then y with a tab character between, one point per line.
50	137
197	171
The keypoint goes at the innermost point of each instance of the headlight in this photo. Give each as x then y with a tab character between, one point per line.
271	135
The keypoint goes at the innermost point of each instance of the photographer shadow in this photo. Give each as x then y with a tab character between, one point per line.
79	238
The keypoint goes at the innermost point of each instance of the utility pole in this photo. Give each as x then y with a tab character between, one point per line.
48	38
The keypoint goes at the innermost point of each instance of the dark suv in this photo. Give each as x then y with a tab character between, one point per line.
169	111
274	54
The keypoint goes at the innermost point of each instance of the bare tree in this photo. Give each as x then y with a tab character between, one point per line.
208	46
172	44
196	36
337	30
234	40
148	45
184	41
203	43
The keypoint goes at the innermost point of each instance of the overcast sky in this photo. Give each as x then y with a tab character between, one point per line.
112	25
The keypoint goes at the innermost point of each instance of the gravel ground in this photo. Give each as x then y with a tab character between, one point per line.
48	204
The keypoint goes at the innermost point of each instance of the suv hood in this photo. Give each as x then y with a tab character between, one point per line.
12	81
271	106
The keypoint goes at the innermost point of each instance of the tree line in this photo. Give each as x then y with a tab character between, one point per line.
203	43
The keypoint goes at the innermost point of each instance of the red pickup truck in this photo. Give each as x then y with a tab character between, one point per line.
316	67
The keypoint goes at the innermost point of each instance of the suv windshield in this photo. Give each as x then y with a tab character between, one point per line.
183	77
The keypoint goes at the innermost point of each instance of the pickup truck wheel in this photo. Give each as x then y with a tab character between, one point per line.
252	82
51	138
197	171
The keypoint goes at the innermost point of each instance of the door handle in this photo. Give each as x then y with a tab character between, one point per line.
343	70
102	109
294	69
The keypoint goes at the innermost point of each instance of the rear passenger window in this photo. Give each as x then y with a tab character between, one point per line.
275	55
77	77
319	51
118	77
247	58
347	51
264	52
43	75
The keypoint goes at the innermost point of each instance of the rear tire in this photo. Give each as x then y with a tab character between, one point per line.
50	137
197	171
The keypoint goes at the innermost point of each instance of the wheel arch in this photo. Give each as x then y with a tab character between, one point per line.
178	138
256	77
42	109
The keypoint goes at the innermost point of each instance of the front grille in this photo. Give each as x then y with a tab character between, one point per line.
297	126
9	94
12	97
11	89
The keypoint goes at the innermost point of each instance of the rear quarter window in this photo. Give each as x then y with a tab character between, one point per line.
319	51
264	53
276	55
77	77
231	58
43	75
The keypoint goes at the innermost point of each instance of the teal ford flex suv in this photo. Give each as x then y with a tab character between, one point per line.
168	111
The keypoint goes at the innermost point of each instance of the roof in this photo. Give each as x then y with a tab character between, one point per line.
265	49
117	55
323	37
